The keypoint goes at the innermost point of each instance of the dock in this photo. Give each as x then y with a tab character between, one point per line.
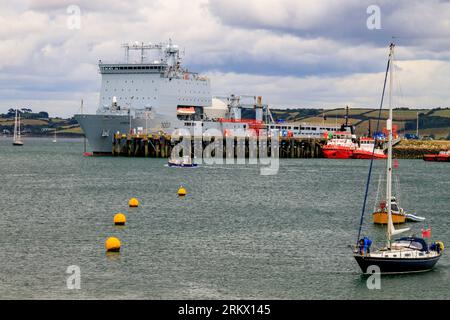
161	146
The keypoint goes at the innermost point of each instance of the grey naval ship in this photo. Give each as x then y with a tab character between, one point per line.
144	95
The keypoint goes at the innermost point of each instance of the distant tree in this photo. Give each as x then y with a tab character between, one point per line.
26	110
11	113
43	114
72	121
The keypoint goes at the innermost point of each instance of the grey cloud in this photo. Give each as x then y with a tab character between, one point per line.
269	43
411	21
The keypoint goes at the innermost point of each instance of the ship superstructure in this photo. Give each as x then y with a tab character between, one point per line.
144	94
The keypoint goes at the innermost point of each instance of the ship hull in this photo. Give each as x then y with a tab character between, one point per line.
100	129
397	265
358	154
436	157
337	153
182	165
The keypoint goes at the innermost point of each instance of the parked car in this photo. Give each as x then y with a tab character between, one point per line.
411	136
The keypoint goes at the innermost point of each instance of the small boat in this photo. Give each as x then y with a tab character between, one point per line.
340	146
367	150
443	156
54	138
404	255
17	141
381	215
185	162
413	218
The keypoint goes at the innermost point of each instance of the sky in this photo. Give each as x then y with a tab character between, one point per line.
309	53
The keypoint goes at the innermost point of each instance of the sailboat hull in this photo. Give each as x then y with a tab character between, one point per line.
17	143
397	265
382	218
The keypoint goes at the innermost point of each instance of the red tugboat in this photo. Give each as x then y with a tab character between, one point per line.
443	156
341	146
367	150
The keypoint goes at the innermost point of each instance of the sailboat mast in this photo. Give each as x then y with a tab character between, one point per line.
84	138
15	127
18	127
389	158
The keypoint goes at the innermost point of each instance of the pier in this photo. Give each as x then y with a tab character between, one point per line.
161	146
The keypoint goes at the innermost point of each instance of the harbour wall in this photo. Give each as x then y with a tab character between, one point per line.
161	146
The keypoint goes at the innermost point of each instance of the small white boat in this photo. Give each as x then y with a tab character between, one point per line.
413	218
185	162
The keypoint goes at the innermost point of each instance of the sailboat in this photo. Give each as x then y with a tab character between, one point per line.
54	138
406	254
17	141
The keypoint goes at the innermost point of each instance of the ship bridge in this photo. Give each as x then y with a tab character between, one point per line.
131	68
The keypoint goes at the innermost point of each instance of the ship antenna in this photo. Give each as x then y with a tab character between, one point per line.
126	46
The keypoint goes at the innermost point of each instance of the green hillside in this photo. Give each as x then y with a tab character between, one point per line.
39	124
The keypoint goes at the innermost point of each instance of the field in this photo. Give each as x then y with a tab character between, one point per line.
442	113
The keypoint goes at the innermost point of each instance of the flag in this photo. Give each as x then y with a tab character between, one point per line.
426	233
395	163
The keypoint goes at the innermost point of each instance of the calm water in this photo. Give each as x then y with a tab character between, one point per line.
236	235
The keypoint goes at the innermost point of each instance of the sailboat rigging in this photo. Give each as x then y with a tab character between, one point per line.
407	254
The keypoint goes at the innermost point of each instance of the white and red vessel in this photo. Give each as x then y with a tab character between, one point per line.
341	146
367	150
443	156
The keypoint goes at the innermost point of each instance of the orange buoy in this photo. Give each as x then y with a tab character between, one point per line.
112	244
133	203
120	219
181	191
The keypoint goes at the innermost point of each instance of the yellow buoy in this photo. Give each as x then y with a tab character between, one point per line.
181	191
120	219
112	244
133	203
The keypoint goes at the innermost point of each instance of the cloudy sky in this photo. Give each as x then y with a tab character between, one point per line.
306	53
